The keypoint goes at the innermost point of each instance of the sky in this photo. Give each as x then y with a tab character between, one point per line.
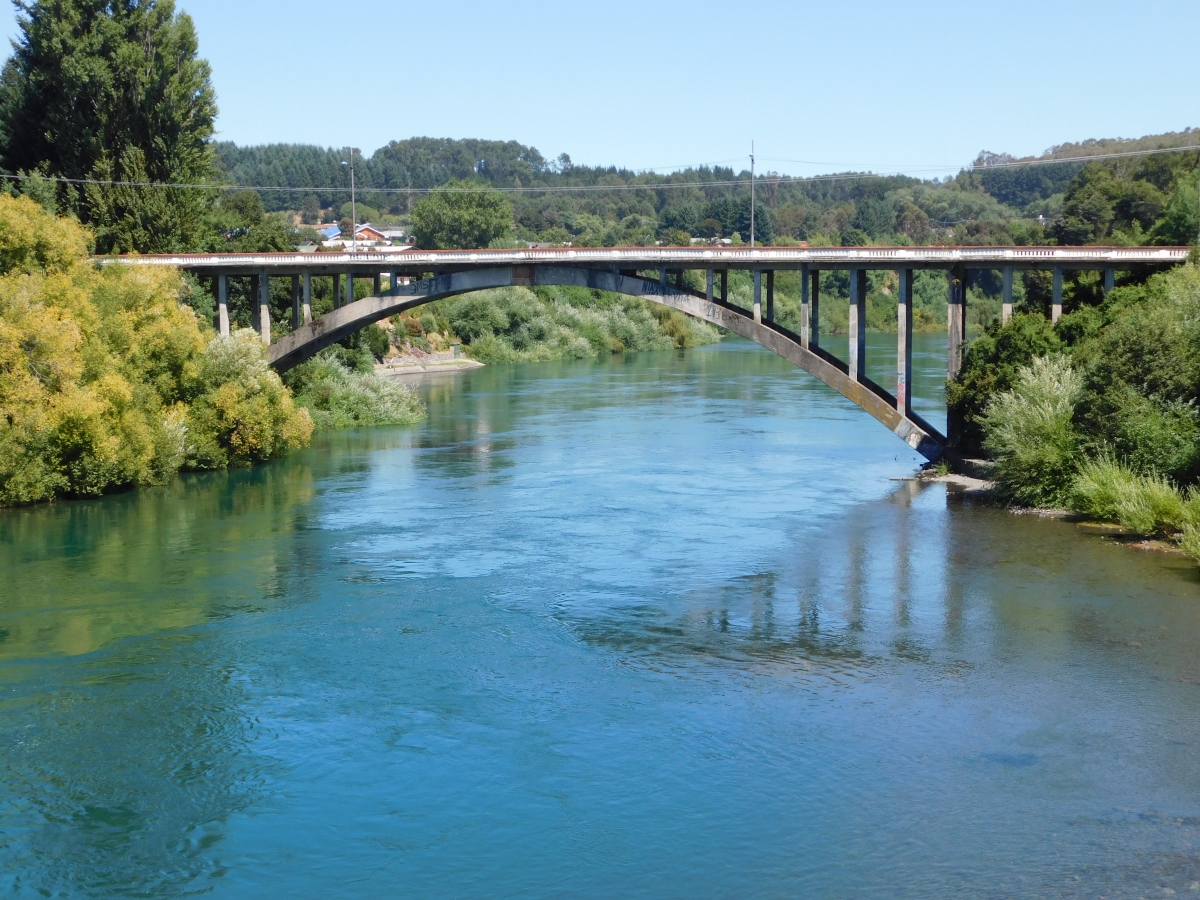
919	87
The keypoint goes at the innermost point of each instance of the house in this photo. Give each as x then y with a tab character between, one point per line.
369	234
329	232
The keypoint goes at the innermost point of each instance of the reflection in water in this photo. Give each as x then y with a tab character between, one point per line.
84	574
659	626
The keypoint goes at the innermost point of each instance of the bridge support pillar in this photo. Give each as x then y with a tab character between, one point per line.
708	285
662	278
264	307
956	321
1006	306
307	302
377	284
349	295
223	305
814	307
904	319
295	302
858	324
394	282
805	309
758	295
1056	300
770	295
337	290
1110	281
724	285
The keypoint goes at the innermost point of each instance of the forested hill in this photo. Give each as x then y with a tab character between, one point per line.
999	200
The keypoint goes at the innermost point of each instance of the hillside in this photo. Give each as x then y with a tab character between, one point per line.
995	201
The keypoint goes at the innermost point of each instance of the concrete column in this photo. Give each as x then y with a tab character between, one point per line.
771	295
264	307
295	302
724	285
814	307
758	295
1056	301
956	321
708	285
337	290
904	319
349	286
377	285
306	309
858	324
805	308
1006	304
252	301
394	277
223	305
679	279
662	278
1110	280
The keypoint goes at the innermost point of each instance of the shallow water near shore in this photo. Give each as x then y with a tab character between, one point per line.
654	626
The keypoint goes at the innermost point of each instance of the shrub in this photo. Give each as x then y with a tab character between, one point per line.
241	412
340	397
377	340
522	325
1139	503
990	366
1030	433
98	368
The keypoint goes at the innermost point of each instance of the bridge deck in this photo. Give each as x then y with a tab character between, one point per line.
632	258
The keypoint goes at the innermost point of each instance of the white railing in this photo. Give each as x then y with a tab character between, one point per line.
676	257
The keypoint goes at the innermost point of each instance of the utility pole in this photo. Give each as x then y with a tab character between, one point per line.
353	206
752	193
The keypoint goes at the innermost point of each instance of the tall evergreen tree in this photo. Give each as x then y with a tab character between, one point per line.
113	90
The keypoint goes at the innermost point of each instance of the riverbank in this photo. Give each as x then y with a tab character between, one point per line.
963	486
412	364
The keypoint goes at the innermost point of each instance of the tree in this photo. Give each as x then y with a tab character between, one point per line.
461	215
113	91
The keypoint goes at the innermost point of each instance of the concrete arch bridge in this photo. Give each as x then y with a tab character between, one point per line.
655	274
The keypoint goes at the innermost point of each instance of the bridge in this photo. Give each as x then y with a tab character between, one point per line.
656	274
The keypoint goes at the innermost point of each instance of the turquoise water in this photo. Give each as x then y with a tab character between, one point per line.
656	626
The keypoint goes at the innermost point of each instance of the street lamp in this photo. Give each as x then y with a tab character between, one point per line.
353	207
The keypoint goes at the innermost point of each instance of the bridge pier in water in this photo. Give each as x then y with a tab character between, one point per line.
904	320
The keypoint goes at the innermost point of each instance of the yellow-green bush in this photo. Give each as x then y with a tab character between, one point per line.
107	381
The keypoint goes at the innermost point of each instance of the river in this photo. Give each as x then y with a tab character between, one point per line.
655	626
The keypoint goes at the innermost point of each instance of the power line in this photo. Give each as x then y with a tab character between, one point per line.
1051	161
599	188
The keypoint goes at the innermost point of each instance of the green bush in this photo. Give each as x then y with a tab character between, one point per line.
1141	504
241	413
523	325
338	396
1031	436
990	366
377	341
1142	377
108	380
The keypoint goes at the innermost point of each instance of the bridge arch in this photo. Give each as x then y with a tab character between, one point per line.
308	340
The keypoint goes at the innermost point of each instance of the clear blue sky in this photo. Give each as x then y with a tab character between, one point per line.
660	84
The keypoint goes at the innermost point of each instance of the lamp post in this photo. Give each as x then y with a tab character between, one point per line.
353	207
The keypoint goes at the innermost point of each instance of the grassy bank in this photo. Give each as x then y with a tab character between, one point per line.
547	323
